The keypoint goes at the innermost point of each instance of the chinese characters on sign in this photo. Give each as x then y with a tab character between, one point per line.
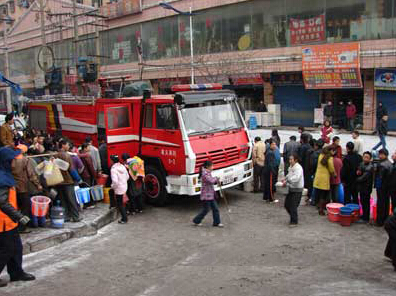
331	66
307	30
121	8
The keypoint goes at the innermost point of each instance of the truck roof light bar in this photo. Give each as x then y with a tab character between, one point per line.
190	87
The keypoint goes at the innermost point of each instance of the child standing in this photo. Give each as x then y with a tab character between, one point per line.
208	195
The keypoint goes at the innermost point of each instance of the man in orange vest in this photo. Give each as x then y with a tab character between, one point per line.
10	241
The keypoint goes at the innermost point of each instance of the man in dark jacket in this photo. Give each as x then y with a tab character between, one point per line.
392	179
341	115
382	183
290	148
304	153
390	227
10	241
365	184
381	112
270	171
350	166
382	129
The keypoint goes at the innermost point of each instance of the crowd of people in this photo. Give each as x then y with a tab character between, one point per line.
324	168
21	154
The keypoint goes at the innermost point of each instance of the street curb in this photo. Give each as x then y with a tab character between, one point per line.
56	237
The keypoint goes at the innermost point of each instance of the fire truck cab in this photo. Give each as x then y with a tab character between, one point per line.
173	134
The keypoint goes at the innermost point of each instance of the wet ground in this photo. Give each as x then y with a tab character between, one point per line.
160	253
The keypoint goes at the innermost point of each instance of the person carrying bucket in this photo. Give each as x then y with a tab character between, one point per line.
208	195
11	249
295	181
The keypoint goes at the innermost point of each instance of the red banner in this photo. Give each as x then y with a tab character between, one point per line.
307	30
121	8
331	66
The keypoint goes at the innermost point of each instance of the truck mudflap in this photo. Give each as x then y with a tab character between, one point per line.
229	177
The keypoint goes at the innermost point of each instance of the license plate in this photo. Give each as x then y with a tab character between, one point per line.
228	179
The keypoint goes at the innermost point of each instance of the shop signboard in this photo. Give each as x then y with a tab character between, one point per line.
285	79
385	79
247	79
331	66
121	8
303	31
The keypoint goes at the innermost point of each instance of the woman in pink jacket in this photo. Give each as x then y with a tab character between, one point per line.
119	178
208	195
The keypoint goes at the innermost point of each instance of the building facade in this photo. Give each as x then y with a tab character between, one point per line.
254	47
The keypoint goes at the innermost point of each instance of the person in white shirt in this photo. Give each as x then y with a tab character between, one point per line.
357	142
295	181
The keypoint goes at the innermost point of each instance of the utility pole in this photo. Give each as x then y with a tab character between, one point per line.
192	47
42	25
75	28
7	72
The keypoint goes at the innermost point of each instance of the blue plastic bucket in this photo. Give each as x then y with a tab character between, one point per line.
346	211
83	195
97	192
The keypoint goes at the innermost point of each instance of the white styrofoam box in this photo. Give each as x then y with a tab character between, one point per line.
277	119
248	114
267	119
274	108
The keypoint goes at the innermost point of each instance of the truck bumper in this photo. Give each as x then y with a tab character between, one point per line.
191	185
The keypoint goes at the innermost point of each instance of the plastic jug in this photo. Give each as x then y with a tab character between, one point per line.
57	215
63	165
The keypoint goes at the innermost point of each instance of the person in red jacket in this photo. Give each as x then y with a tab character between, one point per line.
337	147
327	130
335	181
351	114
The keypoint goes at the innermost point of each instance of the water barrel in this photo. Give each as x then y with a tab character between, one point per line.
57	215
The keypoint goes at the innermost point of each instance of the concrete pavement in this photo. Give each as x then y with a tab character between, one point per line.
43	238
159	253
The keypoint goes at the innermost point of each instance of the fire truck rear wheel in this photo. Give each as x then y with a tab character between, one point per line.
155	189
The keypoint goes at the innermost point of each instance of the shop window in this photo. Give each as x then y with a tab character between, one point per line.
119	45
166	117
148	116
118	117
236	28
161	38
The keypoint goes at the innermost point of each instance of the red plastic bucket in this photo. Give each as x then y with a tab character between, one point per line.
345	220
40	205
102	179
333	217
333	211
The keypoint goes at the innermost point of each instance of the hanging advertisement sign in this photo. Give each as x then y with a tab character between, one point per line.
331	66
121	8
303	31
385	79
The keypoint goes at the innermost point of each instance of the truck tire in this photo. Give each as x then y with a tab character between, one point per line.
155	189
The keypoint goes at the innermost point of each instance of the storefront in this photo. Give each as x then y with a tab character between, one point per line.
385	85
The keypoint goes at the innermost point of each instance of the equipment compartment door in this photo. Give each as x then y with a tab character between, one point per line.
119	129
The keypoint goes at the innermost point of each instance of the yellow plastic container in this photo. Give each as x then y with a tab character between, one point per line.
106	195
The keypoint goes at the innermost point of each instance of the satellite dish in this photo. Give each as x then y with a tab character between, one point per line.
46	58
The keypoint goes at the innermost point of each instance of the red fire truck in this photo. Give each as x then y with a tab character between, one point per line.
173	134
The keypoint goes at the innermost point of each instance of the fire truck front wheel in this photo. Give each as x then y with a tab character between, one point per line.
155	187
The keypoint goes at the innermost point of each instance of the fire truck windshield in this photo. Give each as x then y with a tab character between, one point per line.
212	116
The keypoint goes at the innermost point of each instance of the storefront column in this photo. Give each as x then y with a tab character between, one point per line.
369	101
268	89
